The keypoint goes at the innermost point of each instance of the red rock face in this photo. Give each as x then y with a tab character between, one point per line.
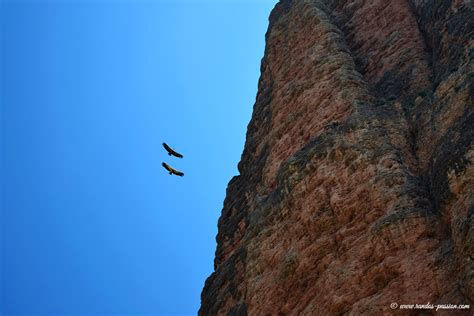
356	185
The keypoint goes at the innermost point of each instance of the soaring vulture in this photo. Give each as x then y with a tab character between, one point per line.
171	152
172	170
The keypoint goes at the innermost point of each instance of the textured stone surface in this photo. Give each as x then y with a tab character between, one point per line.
356	185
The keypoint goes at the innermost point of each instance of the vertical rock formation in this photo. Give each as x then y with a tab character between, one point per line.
356	185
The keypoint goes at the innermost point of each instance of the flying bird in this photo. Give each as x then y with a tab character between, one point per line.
172	170
171	152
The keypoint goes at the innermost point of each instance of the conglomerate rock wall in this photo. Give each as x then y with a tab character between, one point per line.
356	185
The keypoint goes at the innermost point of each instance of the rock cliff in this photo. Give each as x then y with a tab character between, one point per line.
356	185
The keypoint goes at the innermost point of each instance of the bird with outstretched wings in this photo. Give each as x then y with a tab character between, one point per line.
172	170
171	152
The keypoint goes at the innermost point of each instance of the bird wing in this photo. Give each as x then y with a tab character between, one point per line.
172	170
167	167
171	151
178	173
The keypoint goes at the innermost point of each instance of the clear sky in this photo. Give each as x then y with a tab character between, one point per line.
91	224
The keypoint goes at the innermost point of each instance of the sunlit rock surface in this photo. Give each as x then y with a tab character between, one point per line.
356	185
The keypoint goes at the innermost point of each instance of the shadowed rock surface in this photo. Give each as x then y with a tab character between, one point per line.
356	185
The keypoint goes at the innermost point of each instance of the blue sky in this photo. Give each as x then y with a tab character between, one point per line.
91	224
